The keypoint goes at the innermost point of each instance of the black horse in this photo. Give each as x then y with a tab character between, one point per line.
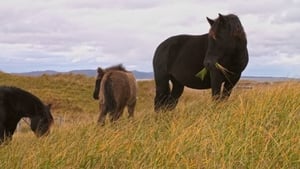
221	54
15	104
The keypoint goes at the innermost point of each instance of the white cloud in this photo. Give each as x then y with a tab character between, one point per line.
74	34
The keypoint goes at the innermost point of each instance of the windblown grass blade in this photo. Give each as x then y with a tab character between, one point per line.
223	69
202	74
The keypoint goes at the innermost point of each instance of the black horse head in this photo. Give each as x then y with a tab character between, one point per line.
41	122
226	41
16	103
226	55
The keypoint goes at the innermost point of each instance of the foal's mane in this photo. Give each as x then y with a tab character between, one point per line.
118	67
233	24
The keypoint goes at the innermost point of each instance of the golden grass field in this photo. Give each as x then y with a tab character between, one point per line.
256	128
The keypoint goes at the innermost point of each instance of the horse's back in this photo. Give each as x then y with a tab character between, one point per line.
8	95
123	87
182	58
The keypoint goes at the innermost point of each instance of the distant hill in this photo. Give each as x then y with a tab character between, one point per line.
87	72
268	78
147	75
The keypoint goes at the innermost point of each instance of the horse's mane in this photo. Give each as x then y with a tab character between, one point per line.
233	24
20	93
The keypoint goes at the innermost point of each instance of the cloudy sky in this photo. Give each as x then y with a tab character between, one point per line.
64	35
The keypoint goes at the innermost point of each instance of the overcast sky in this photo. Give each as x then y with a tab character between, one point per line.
64	35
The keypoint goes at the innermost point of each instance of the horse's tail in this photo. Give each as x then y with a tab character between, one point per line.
161	74
109	95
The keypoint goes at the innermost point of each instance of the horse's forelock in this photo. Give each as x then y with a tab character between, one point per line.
212	33
234	25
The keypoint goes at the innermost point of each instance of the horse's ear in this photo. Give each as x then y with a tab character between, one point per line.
221	17
210	21
100	70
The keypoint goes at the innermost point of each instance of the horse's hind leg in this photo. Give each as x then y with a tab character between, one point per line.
177	90
162	92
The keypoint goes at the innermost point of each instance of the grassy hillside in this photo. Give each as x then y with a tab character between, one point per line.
255	128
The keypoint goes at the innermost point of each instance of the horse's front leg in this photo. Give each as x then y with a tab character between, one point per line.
216	84
10	130
2	134
5	135
229	84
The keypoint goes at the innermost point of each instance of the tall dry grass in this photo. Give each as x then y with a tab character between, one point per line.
255	128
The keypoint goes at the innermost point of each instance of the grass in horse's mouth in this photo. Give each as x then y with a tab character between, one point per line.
222	68
202	74
204	71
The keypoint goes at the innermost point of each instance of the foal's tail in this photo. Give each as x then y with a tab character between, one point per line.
109	95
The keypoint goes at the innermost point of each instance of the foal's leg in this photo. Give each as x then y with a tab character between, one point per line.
117	114
131	108
101	119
